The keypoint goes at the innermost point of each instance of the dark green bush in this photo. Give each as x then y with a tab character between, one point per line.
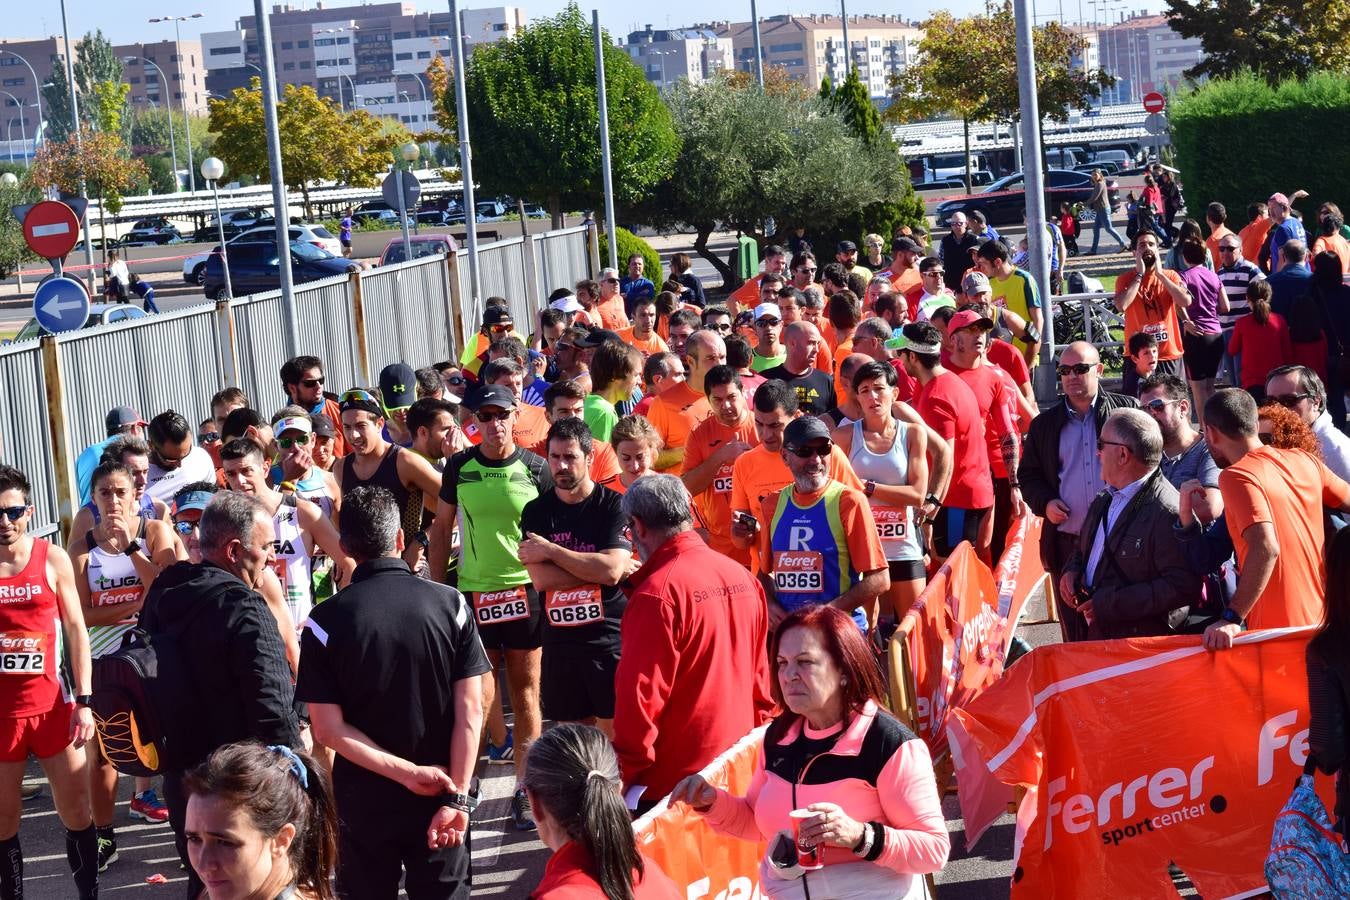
629	244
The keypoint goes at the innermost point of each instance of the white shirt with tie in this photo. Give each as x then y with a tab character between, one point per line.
1119	500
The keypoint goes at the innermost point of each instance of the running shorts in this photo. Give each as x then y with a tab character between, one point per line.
43	735
509	619
578	683
954	525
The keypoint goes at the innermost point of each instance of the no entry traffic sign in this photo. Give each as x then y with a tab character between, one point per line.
1154	102
51	229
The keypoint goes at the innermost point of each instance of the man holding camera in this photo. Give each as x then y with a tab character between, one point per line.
1154	301
1128	576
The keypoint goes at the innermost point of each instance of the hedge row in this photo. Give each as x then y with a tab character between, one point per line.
1239	140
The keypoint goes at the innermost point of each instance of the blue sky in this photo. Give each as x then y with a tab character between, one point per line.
125	21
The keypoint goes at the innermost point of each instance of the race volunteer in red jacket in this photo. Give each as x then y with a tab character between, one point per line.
693	679
862	781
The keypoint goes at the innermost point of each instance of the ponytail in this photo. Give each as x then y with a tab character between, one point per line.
607	833
1258	295
317	859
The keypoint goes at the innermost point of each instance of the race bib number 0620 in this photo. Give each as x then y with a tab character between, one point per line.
890	522
22	652
496	607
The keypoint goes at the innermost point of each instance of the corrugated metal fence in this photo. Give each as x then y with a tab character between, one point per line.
58	391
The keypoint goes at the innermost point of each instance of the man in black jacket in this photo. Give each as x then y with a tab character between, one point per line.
235	673
1060	472
1128	577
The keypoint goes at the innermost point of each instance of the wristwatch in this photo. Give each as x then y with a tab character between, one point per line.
84	699
133	548
869	487
463	802
1230	616
933	499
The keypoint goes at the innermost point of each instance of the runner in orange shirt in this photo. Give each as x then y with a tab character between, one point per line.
1254	235
747	296
610	304
1150	297
712	450
760	471
678	411
642	334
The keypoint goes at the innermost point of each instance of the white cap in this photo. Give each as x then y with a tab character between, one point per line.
294	423
567	304
768	309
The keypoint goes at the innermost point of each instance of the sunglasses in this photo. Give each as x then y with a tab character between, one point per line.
810	270
611	281
1102	444
1158	404
13	513
208	437
456	380
288	443
1076	369
936	273
359	395
185	527
721	326
500	329
821	450
486	417
767	320
1223	249
312	382
1289	401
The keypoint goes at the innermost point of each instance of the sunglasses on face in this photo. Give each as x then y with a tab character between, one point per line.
185	527
1158	404
500	329
485	417
611	281
288	443
768	320
13	513
809	270
1102	444
937	273
721	326
1289	401
312	382
821	450
1076	369
1223	249
208	437
455	380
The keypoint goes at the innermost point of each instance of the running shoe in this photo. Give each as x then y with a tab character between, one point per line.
107	853
148	806
500	756
521	813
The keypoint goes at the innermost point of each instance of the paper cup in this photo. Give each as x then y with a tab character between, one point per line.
808	854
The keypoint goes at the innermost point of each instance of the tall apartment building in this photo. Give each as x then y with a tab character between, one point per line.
180	64
1145	54
20	115
811	47
668	55
373	56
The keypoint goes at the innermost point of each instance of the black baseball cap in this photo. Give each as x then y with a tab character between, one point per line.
323	426
597	336
845	246
490	395
497	315
905	245
803	430
398	386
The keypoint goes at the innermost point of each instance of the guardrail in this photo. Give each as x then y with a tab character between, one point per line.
59	389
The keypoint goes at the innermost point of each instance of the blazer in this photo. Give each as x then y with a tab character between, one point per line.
1143	585
1038	471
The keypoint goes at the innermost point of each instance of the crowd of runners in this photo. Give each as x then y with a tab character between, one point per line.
626	514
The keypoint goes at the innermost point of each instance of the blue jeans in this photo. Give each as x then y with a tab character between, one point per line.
1101	220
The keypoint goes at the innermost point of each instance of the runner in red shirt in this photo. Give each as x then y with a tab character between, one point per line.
997	397
950	408
37	589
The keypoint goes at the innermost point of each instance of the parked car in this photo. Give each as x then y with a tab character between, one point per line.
194	266
1003	201
256	267
535	211
431	217
234	224
99	244
151	231
99	314
1108	168
421	245
489	210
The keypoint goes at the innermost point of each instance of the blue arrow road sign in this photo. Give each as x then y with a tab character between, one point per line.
61	304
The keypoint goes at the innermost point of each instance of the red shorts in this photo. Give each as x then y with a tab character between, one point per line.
43	735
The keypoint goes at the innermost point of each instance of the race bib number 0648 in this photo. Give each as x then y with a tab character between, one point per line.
496	607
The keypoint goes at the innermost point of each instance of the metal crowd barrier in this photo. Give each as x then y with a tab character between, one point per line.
58	390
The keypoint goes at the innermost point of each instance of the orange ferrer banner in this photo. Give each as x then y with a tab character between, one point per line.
701	861
961	627
1140	753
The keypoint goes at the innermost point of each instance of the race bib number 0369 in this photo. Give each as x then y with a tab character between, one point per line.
722	481
22	652
798	572
496	607
575	606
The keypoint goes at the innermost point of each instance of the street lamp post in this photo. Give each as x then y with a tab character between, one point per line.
23	131
337	61
409	152
212	169
37	91
465	155
342	104
79	143
173	146
187	123
759	52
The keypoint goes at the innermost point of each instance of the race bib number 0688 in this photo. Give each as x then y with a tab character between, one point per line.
575	606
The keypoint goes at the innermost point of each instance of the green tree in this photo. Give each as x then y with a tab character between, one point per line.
1277	39
94	62
535	121
852	101
318	141
14	251
748	156
99	160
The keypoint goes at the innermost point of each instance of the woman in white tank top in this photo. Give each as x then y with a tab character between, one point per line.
889	457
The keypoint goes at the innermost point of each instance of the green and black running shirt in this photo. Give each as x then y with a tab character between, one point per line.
489	495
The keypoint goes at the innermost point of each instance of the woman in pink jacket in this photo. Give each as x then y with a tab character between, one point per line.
864	778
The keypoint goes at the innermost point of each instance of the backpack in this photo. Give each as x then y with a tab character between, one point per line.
1308	860
134	709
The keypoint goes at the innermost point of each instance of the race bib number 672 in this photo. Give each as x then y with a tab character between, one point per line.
22	652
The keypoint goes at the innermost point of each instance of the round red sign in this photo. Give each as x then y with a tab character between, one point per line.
51	229
1154	102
